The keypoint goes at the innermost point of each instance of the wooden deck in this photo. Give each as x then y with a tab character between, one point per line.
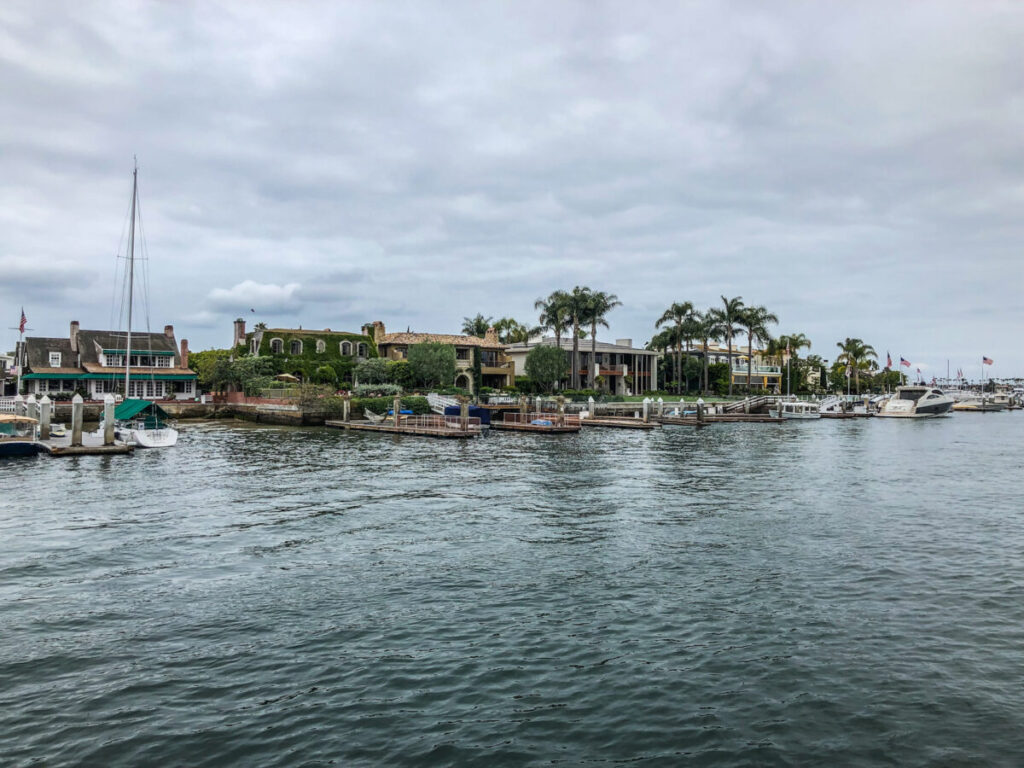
513	427
443	432
620	423
523	422
118	449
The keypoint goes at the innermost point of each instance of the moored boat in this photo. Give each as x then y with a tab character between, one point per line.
795	409
917	402
18	436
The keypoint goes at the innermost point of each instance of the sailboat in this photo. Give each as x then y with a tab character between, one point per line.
137	421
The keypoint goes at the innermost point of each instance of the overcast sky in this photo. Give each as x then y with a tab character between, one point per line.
858	168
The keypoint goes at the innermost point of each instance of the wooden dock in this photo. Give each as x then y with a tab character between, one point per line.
423	428
739	418
842	415
117	449
557	423
620	423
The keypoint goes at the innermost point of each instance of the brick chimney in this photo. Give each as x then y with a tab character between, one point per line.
239	333
74	335
169	331
184	353
378	332
491	337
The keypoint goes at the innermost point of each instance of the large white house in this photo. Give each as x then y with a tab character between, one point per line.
623	368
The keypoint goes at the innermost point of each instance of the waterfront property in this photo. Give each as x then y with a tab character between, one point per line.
766	372
93	363
623	369
496	369
303	349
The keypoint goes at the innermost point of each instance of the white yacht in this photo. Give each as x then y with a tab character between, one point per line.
795	409
917	402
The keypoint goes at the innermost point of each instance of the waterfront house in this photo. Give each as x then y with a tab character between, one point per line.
766	372
623	368
303	350
496	370
93	363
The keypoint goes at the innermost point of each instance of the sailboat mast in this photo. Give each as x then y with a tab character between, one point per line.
131	279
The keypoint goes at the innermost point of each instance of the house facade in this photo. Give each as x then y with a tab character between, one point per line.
623	368
304	349
765	373
94	363
496	369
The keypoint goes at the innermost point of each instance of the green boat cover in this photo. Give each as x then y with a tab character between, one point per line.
132	408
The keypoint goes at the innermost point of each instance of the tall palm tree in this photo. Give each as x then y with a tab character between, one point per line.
577	303
707	330
600	304
755	320
856	354
727	324
677	314
476	326
511	331
554	315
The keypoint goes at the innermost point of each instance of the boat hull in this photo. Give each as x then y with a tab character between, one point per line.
12	448
148	438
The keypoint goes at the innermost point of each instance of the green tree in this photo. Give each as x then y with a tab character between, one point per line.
755	321
205	364
554	314
476	326
372	371
325	374
692	368
399	372
598	307
511	331
856	354
546	366
727	322
577	302
432	363
677	314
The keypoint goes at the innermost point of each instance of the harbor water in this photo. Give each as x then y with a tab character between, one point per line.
818	593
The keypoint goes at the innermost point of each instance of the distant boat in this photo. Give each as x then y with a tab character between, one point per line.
917	402
795	409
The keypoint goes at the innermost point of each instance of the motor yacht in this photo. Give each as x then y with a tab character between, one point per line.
917	402
795	409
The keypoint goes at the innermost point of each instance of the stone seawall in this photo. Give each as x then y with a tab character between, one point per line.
264	413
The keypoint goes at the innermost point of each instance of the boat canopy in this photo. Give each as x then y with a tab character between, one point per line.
130	409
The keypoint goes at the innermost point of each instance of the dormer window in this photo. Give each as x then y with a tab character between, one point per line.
55	359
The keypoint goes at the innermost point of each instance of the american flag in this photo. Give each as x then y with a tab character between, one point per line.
24	320
888	360
904	362
986	360
918	371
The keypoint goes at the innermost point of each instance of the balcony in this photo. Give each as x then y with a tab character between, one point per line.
757	370
499	369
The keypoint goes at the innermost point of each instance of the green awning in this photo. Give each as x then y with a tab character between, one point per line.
114	376
137	352
129	409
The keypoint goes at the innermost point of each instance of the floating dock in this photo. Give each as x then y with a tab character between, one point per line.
545	423
445	427
620	423
92	445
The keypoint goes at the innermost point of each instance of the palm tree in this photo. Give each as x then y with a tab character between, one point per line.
476	326
727	324
600	304
677	314
577	303
554	315
856	354
707	330
511	331
755	321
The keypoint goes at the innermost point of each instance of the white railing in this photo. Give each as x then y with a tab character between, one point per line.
757	370
7	405
552	419
433	421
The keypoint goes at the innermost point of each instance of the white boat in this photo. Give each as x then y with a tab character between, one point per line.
139	422
18	435
795	409
917	402
982	404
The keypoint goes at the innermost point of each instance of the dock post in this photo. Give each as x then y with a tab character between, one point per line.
591	408
19	405
540	404
346	407
661	407
524	405
700	411
44	418
398	410
76	419
647	410
31	407
464	413
560	406
108	419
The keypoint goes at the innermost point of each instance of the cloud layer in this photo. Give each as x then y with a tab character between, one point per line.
857	167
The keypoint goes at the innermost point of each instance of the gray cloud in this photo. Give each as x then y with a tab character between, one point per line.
855	167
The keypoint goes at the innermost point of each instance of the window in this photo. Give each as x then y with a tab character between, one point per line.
55	359
462	353
361	350
103	387
295	348
115	361
276	346
164	361
346	347
253	347
320	346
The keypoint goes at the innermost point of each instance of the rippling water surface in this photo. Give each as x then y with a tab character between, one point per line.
833	593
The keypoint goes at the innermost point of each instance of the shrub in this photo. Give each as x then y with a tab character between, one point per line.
545	366
399	372
382	405
375	390
372	371
325	374
433	363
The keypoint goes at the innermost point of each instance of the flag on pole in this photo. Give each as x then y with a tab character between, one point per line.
918	371
986	360
24	320
849	371
888	361
904	362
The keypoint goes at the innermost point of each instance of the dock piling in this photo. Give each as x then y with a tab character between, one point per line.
44	418
647	410
77	410
108	419
346	407
31	407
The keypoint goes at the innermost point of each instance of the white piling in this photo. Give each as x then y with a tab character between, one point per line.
44	417
31	407
108	419
77	410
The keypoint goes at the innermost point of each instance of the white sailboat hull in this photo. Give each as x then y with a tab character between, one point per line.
149	438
